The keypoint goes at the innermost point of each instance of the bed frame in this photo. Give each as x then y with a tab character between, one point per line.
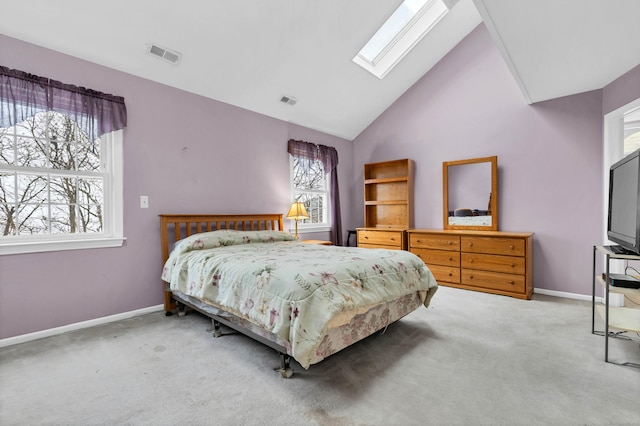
174	227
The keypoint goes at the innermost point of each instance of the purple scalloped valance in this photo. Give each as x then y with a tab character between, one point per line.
22	95
311	152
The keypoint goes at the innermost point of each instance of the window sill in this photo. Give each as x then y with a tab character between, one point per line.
310	229
45	246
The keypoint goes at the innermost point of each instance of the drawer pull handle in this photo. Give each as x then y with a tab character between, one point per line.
418	241
366	238
450	259
511	282
513	265
511	247
392	239
470	277
470	260
470	244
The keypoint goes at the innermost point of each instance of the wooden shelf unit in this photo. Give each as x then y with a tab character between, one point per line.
388	194
388	204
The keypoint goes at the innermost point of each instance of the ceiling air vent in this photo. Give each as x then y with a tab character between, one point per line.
289	100
164	54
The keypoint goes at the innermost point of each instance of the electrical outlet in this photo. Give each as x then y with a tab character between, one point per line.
144	202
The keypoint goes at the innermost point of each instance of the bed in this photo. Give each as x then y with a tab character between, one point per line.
306	301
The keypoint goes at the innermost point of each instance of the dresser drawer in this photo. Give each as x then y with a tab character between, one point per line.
493	280
434	241
445	273
381	238
438	257
491	262
504	246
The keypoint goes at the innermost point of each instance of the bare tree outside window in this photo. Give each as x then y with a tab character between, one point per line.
310	187
51	178
631	131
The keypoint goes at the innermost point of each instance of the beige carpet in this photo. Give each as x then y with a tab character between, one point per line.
469	359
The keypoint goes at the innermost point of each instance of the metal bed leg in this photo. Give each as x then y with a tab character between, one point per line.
182	310
217	330
285	360
285	366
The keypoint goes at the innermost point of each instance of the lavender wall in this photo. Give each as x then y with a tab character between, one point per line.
622	91
189	154
549	155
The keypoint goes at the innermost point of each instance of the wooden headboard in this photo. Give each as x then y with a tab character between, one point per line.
174	227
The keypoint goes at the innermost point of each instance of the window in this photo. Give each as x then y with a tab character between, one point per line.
621	137
60	165
314	182
410	22
310	185
631	131
58	189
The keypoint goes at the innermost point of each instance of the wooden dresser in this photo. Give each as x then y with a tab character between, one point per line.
489	261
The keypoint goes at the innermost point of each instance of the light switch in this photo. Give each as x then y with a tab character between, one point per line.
144	202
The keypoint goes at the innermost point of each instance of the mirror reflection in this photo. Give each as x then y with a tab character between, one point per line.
470	194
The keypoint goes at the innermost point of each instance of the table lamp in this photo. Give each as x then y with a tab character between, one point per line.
297	212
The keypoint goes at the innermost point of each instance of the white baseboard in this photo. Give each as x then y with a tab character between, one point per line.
131	314
565	294
78	326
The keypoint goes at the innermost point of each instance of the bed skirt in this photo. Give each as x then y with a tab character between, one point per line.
341	332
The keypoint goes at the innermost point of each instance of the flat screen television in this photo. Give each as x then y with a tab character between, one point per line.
623	223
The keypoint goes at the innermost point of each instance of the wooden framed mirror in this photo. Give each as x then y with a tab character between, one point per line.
470	194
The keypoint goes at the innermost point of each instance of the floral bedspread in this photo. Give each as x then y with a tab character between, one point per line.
290	288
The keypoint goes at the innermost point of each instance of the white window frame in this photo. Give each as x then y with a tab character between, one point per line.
113	236
613	151
400	41
312	227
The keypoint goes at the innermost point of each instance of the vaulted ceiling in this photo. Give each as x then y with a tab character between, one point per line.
250	53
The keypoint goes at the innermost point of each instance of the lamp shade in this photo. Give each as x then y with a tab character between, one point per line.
297	211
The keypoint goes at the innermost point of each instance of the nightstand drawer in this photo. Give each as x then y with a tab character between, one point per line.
438	257
384	238
379	246
504	246
434	241
490	262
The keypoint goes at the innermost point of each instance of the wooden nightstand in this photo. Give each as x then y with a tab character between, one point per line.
319	242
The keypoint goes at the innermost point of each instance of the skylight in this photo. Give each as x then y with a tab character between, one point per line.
410	22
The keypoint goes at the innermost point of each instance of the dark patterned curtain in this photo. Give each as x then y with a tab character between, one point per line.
23	95
328	156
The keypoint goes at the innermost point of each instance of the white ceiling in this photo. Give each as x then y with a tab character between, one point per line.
249	53
557	48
